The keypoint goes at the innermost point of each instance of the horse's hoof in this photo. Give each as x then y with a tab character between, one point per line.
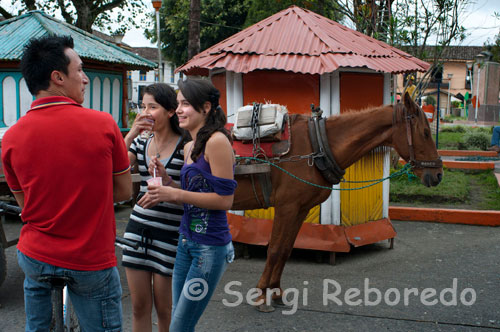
265	308
279	302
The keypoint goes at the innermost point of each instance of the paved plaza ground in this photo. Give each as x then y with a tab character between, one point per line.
438	277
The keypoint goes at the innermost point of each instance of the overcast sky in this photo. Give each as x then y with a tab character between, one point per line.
479	21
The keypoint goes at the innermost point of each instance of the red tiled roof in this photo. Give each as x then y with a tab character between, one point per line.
302	41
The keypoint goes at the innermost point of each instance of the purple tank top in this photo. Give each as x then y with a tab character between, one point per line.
201	225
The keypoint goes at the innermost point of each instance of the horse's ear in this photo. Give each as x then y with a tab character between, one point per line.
410	105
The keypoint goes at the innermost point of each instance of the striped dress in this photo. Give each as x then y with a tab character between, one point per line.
156	229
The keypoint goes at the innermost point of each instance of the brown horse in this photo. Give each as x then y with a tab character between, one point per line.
351	136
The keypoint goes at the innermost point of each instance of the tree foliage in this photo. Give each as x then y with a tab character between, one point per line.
261	9
494	46
219	20
412	25
85	14
419	24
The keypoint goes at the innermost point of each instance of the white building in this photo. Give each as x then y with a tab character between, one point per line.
140	79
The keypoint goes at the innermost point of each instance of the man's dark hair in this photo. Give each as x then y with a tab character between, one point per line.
41	57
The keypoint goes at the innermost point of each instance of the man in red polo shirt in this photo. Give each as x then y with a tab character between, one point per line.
66	165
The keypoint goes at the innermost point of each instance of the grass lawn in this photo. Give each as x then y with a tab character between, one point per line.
459	190
449	141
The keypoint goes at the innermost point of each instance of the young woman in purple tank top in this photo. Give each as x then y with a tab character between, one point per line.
207	192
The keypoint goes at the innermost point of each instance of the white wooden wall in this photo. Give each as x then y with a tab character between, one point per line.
103	93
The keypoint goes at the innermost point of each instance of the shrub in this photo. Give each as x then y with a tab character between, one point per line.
453	129
486	130
430	100
476	140
131	117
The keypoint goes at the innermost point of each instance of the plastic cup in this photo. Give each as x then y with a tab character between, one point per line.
156	181
145	134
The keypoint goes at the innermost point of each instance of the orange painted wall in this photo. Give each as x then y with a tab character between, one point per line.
295	91
219	81
359	91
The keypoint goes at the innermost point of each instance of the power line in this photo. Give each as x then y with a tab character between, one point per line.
209	23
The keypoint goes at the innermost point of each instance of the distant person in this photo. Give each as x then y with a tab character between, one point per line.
66	165
410	88
149	268
495	140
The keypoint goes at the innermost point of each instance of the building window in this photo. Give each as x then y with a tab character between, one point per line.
142	75
140	94
129	74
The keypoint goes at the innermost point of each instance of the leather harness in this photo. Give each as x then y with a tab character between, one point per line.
324	159
409	118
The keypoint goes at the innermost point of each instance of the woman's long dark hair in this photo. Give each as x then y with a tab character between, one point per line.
165	95
198	91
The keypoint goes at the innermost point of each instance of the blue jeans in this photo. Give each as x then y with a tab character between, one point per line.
495	138
95	295
197	270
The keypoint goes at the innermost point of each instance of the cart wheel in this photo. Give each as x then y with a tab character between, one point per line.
3	265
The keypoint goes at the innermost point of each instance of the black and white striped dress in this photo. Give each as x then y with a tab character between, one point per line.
157	228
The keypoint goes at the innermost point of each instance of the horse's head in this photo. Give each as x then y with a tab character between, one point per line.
413	141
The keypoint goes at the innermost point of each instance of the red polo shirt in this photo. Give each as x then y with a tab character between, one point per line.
62	156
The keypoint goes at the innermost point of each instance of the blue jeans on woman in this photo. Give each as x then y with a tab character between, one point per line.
197	271
95	295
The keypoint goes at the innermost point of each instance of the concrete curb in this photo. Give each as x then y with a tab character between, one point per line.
469	164
454	216
464	153
463	164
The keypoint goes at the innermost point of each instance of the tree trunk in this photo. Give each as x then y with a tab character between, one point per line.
194	28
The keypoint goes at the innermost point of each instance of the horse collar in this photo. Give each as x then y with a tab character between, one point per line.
322	154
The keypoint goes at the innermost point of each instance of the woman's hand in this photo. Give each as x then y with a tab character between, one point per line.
142	122
157	194
156	168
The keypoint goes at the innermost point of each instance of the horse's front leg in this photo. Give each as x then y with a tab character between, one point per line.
287	222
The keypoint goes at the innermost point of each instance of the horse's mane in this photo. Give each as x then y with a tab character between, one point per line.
351	113
346	115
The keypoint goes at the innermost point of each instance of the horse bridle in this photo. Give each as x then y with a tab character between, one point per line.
409	119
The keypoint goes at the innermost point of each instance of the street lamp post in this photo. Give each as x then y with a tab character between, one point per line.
469	66
479	61
449	96
157	6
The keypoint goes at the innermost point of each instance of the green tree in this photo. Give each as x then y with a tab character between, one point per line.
418	24
411	25
261	9
85	14
494	48
219	20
